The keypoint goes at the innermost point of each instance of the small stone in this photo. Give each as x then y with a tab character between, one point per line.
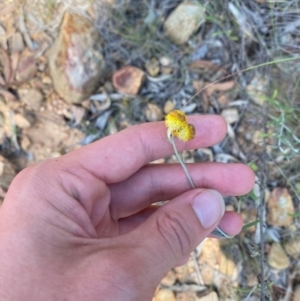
169	279
169	106
128	80
76	61
32	98
165	61
164	295
153	67
47	80
25	142
231	115
257	89
78	113
16	43
212	296
187	273
158	161
167	70
184	21
280	205
21	121
277	258
296	296
292	247
187	296
153	112
27	68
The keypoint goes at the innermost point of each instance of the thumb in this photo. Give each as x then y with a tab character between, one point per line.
171	233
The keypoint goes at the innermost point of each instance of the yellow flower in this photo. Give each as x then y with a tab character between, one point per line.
177	126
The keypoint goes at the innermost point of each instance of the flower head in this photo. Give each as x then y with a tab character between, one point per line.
177	126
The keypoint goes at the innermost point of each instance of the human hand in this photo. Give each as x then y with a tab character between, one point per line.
82	227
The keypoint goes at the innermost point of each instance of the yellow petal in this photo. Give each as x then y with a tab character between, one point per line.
175	120
186	133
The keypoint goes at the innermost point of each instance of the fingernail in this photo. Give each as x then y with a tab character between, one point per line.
209	207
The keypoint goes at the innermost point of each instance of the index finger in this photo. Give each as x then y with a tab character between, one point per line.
116	157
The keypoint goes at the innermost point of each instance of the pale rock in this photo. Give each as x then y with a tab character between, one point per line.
296	296
16	43
32	98
258	89
187	296
280	205
165	61
128	80
153	67
169	106
21	121
184	21
153	112
76	61
231	115
215	266
212	296
292	247
27	67
167	70
208	260
164	295
187	273
277	257
170	278
25	142
158	161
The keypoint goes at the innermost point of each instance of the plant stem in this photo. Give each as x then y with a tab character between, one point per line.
218	232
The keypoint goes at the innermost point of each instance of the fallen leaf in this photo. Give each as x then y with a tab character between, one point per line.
201	64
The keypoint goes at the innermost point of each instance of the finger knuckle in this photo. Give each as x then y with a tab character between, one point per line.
174	230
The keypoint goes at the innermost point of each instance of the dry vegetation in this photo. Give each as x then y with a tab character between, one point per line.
257	42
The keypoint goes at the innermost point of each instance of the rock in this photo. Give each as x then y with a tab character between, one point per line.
27	68
217	267
184	21
153	112
153	67
170	278
25	142
292	247
16	43
76	61
32	98
277	258
7	173
164	295
296	296
165	61
212	296
169	106
128	80
187	273
280	204
187	296
231	115
257	89
21	121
